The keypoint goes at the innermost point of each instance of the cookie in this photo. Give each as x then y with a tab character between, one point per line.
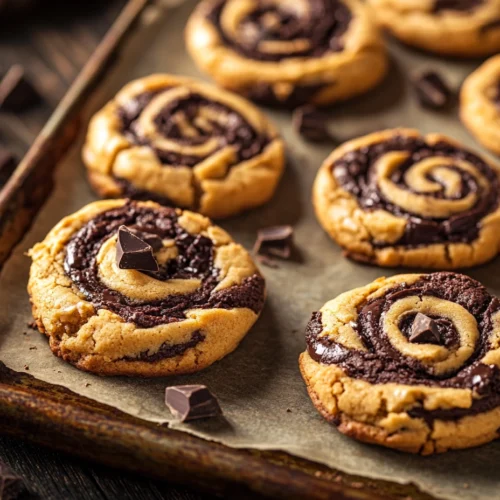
464	28
184	143
409	362
397	198
480	104
136	288
286	54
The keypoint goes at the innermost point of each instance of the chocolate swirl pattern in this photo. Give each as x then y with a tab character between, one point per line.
287	53
396	197
480	103
452	27
184	143
195	309
363	341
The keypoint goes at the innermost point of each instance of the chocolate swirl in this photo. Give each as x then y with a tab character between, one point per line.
274	30
184	128
443	190
466	356
193	260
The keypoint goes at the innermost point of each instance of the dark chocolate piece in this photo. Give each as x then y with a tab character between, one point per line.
275	241
191	402
195	260
150	238
431	90
312	124
16	92
8	164
11	485
424	330
134	253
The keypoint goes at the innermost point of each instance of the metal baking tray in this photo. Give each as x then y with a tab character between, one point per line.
56	417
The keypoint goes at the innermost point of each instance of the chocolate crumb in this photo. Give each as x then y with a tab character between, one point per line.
33	348
275	241
431	90
191	402
32	325
312	124
26	367
87	384
16	91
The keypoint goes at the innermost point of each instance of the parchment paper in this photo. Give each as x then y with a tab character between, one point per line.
258	383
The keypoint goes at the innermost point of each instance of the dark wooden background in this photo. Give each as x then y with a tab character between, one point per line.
53	39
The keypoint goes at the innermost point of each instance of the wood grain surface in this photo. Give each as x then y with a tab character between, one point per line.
53	40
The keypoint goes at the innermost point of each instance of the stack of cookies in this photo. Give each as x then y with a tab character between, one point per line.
143	283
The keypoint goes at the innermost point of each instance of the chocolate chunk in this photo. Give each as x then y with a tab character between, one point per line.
150	238
16	92
311	124
481	377
191	402
275	241
11	485
432	91
424	330
8	164
134	253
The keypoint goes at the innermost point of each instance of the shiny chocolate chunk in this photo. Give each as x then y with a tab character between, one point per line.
134	253
191	402
16	91
312	124
424	330
11	485
150	238
431	90
274	241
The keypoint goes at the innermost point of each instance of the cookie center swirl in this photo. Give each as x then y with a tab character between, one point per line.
271	30
188	277
186	128
442	190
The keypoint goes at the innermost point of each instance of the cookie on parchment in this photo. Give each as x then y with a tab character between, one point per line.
398	198
288	53
480	104
409	362
184	143
136	288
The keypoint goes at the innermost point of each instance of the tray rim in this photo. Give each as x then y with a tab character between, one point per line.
28	405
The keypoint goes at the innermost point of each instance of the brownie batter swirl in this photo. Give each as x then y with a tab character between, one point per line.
428	345
193	309
184	143
287	53
405	199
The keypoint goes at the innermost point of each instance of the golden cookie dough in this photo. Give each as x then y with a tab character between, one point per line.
194	311
465	28
367	374
397	198
288	53
480	104
184	143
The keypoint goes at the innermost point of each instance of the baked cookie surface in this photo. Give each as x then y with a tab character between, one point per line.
397	198
288	53
192	310
480	104
409	362
451	27
184	143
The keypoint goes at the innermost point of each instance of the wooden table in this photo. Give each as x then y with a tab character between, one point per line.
53	41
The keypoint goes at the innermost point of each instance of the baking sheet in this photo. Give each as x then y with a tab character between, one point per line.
259	386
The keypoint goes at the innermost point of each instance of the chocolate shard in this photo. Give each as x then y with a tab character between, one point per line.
11	485
312	124
276	241
431	90
134	253
16	91
424	330
191	402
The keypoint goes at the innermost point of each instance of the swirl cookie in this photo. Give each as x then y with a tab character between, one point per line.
135	288
450	27
288	53
480	104
409	362
396	198
184	143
